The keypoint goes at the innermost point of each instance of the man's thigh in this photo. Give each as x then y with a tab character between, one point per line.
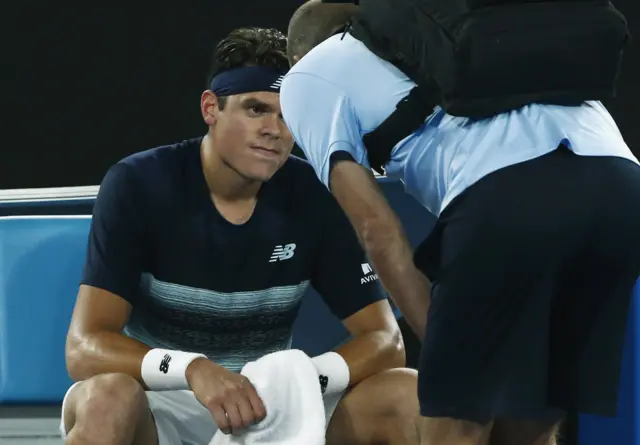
110	405
524	432
485	352
589	316
381	409
180	418
532	270
495	259
177	415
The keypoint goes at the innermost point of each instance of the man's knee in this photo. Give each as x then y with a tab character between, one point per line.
382	409
395	392
447	431
104	397
524	432
391	394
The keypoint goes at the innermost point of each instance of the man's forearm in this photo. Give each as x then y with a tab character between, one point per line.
371	353
382	236
105	352
392	257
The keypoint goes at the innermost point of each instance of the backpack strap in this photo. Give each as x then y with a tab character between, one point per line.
410	112
408	117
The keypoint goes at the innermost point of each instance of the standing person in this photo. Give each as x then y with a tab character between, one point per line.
534	254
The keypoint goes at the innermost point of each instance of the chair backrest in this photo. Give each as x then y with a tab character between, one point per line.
625	427
41	260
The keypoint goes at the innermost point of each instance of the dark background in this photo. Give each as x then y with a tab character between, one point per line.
90	84
87	84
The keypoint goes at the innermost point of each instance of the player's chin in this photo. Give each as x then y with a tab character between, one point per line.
261	171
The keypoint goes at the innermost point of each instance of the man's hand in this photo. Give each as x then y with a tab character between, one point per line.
231	398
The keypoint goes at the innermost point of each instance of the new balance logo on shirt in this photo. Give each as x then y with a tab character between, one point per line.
368	273
281	253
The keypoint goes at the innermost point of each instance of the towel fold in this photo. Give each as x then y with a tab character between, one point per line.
287	382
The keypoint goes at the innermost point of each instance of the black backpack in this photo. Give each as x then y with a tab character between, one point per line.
479	58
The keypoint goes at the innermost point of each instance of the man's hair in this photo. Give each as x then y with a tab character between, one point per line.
313	23
250	46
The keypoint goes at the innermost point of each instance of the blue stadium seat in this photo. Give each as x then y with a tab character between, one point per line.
625	428
41	261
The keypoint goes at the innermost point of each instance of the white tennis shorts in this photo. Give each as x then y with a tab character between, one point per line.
180	418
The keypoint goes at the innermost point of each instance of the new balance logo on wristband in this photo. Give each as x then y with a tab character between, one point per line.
164	364
324	382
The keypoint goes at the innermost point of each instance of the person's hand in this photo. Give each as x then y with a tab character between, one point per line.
231	398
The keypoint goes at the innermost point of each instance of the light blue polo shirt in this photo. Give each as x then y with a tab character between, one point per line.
340	91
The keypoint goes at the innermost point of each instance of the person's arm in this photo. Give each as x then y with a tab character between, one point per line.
344	279
324	124
383	238
95	341
96	344
376	343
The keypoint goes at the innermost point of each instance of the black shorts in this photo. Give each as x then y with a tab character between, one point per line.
532	269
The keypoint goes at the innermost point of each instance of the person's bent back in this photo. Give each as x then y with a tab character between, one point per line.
532	259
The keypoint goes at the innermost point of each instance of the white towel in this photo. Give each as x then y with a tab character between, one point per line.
287	382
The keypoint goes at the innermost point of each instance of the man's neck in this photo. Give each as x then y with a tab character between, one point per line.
223	181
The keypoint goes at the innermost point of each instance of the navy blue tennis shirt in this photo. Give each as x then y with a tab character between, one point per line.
200	283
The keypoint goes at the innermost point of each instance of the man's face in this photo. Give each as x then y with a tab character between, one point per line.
249	134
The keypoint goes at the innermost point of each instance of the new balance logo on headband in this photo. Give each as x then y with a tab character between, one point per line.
276	85
247	79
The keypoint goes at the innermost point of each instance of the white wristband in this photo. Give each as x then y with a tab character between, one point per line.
333	373
165	370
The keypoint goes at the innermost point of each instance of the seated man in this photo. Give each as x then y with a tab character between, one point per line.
207	247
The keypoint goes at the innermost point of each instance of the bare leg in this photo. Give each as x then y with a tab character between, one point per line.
109	409
445	431
524	432
382	410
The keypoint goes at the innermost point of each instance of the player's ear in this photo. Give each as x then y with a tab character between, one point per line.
209	107
293	59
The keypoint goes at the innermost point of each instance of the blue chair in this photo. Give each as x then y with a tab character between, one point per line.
625	428
41	260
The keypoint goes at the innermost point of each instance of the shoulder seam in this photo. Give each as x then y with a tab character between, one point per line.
317	78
